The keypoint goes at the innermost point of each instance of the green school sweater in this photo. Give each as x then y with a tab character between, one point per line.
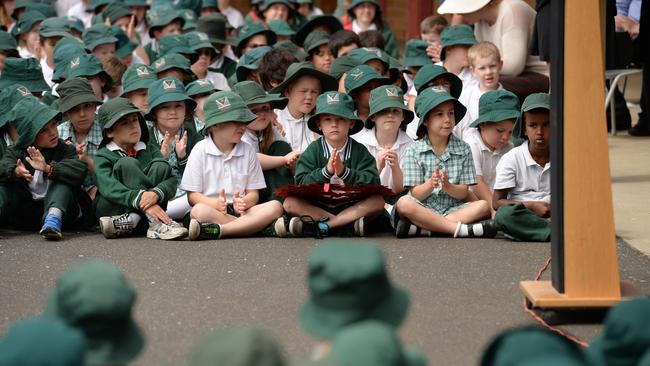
228	67
390	43
109	186
66	166
192	138
360	166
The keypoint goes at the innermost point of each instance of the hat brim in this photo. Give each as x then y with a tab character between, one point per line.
461	6
242	71
270	37
34	86
163	22
316	45
456	84
358	124
54	34
416	61
327	82
126	49
40	120
459	42
408	115
323	323
329	21
459	110
530	107
350	10
170	97
495	117
106	40
365	80
139	84
77	100
243	115
276	101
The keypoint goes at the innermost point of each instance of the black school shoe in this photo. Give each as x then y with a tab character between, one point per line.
203	230
489	230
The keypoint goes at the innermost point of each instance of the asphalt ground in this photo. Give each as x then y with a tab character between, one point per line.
463	291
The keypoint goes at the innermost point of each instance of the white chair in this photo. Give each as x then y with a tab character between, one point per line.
615	76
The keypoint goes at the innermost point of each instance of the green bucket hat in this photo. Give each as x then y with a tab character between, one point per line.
29	117
96	35
432	97
173	61
298	69
415	54
161	16
114	110
268	3
95	4
348	283
238	347
95	297
281	28
65	50
361	75
428	73
42	341
8	43
24	71
625	336
125	46
85	66
372	343
214	25
318	22
365	54
200	87
252	93
9	97
115	11
54	27
496	106
167	90
75	24
189	16
73	92
250	61
250	30
27	22
315	40
291	47
356	3
226	106
384	97
206	4
137	76
199	40
179	44
459	34
343	64
533	101
514	347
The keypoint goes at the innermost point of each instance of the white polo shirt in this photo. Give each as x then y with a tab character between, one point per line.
486	160
529	181
296	131
469	98
251	138
208	170
234	17
369	140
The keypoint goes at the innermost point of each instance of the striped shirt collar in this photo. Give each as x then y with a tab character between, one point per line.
344	152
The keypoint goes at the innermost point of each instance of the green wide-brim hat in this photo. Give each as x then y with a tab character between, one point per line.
269	3
89	65
66	49
415	54
114	343
459	34
338	104
361	75
343	64
329	21
495	106
250	61
97	35
365	54
299	69
115	11
29	117
252	93
384	97
173	61
315	40
533	101
114	110
432	97
356	3
23	71
26	22
137	76
124	46
7	42
429	72
291	47
214	25
177	43
74	92
160	17
167	90
281	27
226	106
250	30
9	97
54	27
199	87
199	40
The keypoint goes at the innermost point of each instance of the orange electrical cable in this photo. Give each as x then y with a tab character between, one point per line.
542	321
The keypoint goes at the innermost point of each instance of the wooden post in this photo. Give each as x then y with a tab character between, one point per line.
417	11
588	241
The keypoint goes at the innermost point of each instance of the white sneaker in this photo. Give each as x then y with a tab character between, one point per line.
360	226
281	227
116	226
162	231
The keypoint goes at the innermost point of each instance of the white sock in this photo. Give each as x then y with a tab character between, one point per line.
55	212
135	218
425	232
413	230
463	230
478	229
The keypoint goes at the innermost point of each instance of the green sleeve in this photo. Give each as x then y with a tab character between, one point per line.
390	44
69	170
3	146
8	165
168	185
109	186
310	168
192	138
363	169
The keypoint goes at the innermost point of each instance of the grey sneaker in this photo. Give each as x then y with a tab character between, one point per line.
162	231
116	226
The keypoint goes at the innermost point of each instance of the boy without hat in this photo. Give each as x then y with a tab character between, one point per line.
134	181
522	187
334	158
223	176
438	171
41	174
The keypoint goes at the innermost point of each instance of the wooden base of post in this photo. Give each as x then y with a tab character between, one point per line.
541	294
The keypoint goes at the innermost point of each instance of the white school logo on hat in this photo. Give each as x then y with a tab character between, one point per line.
333	98
356	74
222	103
189	15
169	85
142	71
23	91
74	62
203	36
392	92
160	63
204	82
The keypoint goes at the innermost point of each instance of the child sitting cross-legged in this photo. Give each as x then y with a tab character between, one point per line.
334	158
438	170
223	176
134	181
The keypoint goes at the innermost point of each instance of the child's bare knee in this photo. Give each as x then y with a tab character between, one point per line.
405	205
291	204
200	211
276	208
